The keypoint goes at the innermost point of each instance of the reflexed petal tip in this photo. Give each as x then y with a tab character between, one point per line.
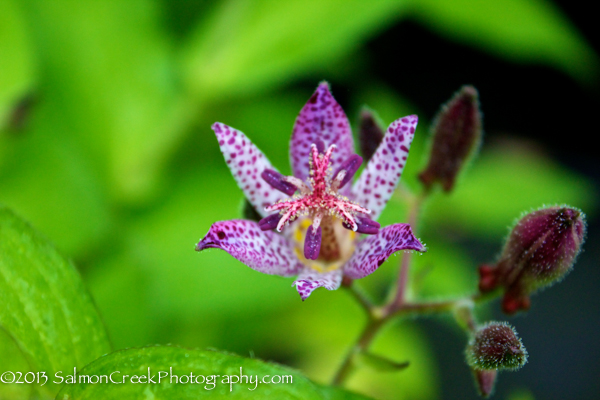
372	251
265	252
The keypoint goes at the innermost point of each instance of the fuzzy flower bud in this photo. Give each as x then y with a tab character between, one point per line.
456	134
540	250
495	346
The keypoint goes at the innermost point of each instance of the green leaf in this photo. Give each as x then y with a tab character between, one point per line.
16	64
212	373
44	306
247	45
522	30
503	183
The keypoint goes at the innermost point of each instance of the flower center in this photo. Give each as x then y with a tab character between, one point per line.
320	201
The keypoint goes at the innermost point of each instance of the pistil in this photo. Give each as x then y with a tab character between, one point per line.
318	199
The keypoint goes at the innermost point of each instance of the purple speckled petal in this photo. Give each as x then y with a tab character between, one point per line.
309	280
246	163
372	251
266	252
379	179
323	119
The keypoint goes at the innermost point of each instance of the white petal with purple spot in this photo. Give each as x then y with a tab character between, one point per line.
372	251
262	251
246	163
380	177
309	280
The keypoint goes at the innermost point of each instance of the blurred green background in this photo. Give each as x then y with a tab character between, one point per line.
106	148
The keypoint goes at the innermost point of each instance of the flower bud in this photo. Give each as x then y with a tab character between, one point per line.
485	381
540	250
456	134
495	346
370	134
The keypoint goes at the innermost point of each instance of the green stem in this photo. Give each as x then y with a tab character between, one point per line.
378	317
363	342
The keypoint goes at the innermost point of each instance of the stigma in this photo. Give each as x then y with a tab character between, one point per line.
318	199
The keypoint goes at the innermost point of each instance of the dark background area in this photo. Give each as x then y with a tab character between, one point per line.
555	112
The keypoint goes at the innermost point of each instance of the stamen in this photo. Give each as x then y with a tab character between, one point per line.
320	201
312	243
278	181
320	146
364	225
298	183
270	222
350	166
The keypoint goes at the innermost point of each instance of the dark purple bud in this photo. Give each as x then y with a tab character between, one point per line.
270	222
495	346
351	165
275	179
312	243
365	225
456	134
370	134
540	250
485	381
320	146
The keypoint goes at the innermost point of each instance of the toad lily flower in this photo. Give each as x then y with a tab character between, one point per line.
323	244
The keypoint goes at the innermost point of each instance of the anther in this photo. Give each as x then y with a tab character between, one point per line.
278	181
350	166
312	243
364	225
270	222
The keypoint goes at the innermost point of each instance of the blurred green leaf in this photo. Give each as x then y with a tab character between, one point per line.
244	45
445	271
418	381
44	306
109	70
16	63
203	365
502	183
180	285
49	178
521	30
